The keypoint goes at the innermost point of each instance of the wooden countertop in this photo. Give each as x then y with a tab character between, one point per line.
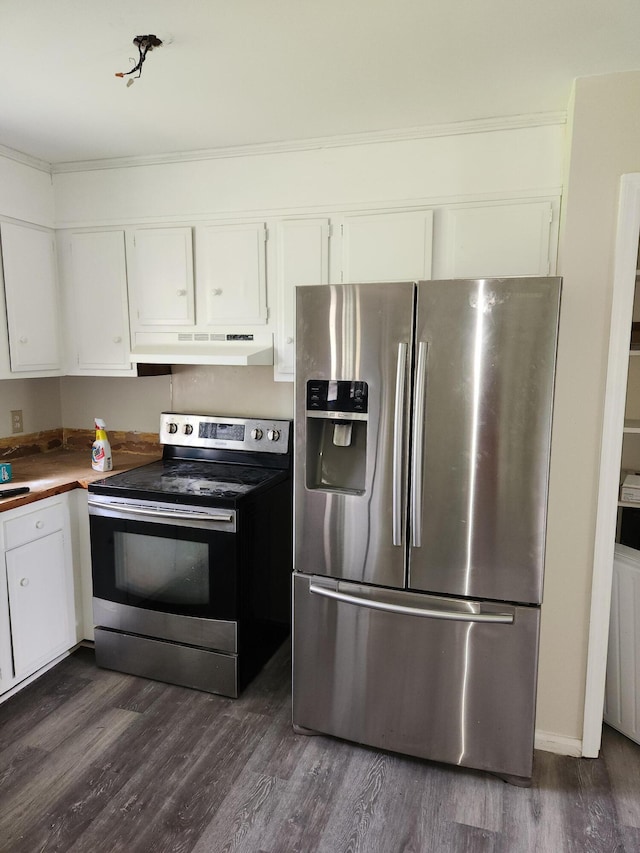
59	471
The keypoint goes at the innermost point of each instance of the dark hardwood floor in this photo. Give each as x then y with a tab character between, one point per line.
92	761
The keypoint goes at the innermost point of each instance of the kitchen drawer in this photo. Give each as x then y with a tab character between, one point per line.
34	525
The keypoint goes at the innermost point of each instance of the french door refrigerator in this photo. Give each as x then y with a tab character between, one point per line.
423	429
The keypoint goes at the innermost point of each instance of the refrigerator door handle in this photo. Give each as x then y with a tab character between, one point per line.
398	437
451	615
417	449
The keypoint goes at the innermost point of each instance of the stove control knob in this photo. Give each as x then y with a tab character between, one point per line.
256	434
172	428
273	434
188	429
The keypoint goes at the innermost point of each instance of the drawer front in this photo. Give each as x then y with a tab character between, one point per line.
453	691
34	525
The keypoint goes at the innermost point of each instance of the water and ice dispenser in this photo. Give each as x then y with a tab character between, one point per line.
337	414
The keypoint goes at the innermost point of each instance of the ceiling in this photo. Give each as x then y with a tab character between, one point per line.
245	72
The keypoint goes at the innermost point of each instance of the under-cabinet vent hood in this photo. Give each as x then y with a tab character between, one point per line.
200	348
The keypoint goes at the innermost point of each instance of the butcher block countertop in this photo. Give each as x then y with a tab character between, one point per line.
65	468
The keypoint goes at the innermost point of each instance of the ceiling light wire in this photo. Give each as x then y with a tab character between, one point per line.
144	45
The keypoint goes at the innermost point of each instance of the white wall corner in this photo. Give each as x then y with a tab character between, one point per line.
559	744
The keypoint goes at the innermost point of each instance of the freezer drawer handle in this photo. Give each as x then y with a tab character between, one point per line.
452	615
418	439
398	435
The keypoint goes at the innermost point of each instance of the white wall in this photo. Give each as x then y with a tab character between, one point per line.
26	192
135	403
39	400
128	404
215	390
605	143
469	166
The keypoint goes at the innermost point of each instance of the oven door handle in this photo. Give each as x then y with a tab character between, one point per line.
131	509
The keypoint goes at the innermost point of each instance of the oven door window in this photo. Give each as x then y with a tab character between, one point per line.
174	569
156	568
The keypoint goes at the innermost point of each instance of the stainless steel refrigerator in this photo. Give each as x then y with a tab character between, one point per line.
422	440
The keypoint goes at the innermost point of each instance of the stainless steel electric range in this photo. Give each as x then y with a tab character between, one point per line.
192	555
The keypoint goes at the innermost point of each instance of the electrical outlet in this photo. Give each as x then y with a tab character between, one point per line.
16	421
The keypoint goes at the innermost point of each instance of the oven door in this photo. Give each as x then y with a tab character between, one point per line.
155	565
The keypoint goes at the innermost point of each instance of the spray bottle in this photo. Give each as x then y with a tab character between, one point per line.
101	449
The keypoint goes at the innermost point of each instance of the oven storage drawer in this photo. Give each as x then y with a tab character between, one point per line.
200	669
218	634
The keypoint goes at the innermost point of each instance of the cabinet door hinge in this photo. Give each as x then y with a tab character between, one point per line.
266	234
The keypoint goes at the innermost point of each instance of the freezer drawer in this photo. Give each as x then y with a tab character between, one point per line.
457	686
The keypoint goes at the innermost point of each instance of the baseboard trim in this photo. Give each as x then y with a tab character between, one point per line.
560	744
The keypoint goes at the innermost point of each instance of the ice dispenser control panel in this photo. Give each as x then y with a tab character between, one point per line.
329	396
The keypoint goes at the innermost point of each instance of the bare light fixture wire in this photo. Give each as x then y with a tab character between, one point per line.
144	45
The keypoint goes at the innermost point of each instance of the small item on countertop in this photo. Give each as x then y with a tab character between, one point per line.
5	472
12	493
101	449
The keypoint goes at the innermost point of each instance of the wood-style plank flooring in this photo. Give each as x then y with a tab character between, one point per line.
93	761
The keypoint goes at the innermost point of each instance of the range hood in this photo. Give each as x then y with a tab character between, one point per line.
228	349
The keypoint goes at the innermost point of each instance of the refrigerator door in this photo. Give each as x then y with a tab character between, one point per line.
351	467
449	680
485	365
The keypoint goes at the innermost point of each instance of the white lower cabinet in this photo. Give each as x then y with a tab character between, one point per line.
36	590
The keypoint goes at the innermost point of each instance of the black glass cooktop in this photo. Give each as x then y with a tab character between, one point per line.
183	480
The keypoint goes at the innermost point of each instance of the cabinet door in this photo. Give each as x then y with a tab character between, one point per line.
496	241
38	580
160	265
302	258
97	287
387	246
230	274
31	290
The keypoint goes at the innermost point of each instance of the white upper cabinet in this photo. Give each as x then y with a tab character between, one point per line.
391	246
160	267
302	258
498	240
231	274
94	277
32	303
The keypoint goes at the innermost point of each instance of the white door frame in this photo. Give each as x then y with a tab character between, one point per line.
626	254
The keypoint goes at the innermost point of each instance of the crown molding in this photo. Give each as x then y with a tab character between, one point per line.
25	159
487	125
